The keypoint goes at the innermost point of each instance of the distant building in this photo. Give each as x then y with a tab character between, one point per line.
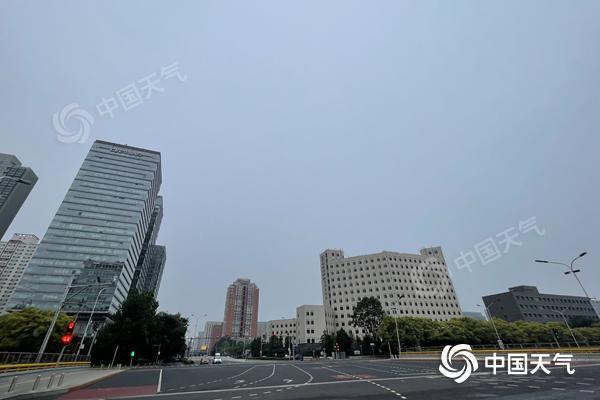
475	315
241	310
14	257
526	303
310	323
16	183
104	218
261	330
213	331
596	305
285	327
422	279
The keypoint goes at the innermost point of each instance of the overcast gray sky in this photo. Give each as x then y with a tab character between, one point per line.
361	125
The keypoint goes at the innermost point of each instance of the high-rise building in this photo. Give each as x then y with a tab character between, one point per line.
16	183
213	331
261	330
103	218
526	303
241	309
15	254
310	323
156	266
415	285
141	277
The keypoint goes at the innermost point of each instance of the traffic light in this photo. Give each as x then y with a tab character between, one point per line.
67	338
337	347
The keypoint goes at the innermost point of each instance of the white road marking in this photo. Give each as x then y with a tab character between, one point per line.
159	382
306	372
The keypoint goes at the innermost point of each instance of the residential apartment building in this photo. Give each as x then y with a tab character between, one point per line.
16	183
526	303
310	323
285	327
415	285
213	331
241	310
104	218
15	255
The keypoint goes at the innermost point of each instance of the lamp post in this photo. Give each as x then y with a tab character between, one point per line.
90	321
59	308
487	311
566	323
571	269
396	323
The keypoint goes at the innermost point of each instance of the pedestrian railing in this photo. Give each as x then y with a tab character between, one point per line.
14	357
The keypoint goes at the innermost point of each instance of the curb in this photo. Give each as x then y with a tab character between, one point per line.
32	395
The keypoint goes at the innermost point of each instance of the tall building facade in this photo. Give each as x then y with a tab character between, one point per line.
15	255
156	266
16	183
416	285
148	271
310	323
103	218
241	310
526	303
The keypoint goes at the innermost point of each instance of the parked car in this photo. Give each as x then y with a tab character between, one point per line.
217	359
204	360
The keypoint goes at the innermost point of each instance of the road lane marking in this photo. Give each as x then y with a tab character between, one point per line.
159	382
306	372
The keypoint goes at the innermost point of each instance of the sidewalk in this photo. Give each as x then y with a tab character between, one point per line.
54	380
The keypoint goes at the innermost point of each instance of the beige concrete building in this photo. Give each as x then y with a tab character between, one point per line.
310	323
15	255
415	285
282	327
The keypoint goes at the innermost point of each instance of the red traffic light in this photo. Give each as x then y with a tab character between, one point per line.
66	339
71	325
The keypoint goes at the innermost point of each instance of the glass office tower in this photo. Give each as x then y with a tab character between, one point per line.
103	218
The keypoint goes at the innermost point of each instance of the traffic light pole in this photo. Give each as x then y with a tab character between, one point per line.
53	323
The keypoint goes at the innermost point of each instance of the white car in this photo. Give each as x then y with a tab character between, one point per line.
217	359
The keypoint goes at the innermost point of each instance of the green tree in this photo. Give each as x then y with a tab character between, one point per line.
368	314
25	330
327	342
137	327
255	347
344	341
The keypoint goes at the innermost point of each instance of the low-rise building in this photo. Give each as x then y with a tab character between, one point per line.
526	303
283	328
596	305
310	323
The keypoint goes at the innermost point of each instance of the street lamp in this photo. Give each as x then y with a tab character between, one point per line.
566	323
487	311
64	300
570	268
396	323
90	319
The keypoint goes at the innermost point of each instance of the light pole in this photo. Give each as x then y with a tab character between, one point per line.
566	323
59	308
487	311
396	323
571	269
90	321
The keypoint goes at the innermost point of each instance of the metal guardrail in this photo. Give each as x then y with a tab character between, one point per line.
35	366
14	357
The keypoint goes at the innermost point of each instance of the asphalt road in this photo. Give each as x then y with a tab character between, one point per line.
343	379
